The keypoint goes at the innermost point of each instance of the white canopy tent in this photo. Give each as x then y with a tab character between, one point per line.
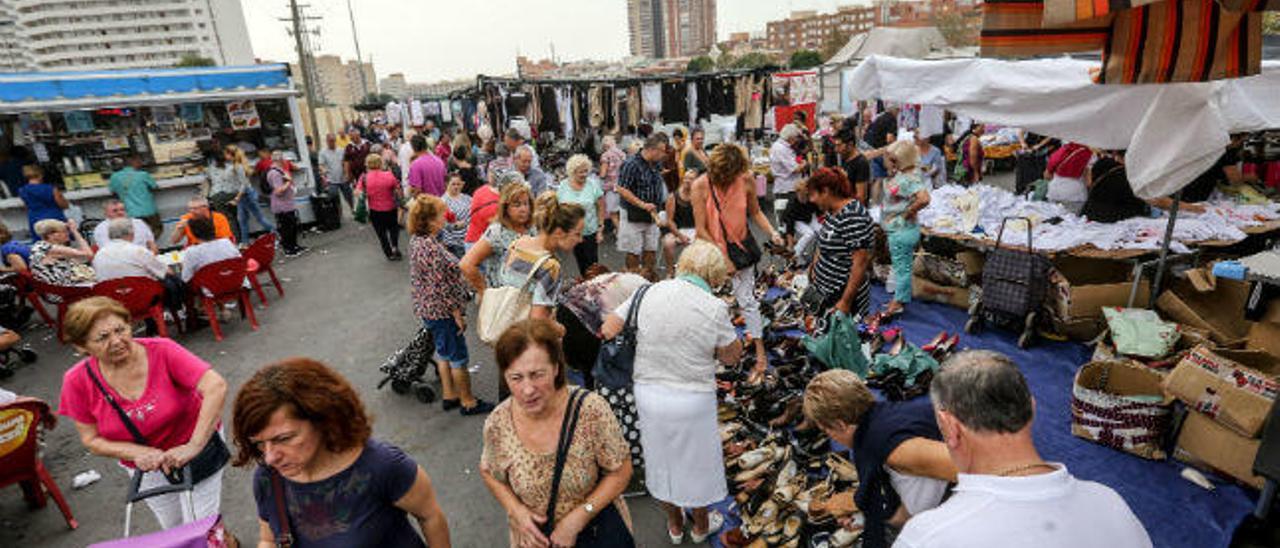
1173	132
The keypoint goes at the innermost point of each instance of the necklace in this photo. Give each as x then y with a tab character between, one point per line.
1022	468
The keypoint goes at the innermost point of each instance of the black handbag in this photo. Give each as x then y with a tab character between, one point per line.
616	362
607	528
212	457
744	254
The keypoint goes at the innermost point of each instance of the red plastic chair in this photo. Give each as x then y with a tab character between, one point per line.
21	425
25	284
262	254
67	296
222	282
144	297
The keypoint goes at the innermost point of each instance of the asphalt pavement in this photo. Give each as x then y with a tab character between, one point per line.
344	305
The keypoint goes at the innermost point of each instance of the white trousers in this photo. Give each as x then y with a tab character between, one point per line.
744	289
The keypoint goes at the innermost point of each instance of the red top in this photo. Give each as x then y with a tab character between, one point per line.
484	206
1070	161
166	412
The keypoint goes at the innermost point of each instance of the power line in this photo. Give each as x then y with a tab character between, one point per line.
306	63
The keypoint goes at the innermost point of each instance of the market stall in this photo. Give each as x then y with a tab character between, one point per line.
82	126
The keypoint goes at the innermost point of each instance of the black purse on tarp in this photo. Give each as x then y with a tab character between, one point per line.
606	529
213	457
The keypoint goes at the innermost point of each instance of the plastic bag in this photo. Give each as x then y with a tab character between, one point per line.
1139	332
841	346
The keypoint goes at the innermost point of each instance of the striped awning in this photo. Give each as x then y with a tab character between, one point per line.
1142	41
27	92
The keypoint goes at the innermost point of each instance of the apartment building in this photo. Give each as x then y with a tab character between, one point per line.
671	28
45	35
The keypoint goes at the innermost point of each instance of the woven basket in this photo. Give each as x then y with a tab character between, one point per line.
1120	405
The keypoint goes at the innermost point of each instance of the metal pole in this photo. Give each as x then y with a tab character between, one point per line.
364	83
304	62
1164	249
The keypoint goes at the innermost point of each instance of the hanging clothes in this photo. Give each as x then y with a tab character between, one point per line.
742	95
635	107
550	111
610	112
675	103
652	96
691	102
756	104
595	100
581	108
564	101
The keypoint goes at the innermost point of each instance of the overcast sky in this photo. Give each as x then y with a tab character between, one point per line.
431	40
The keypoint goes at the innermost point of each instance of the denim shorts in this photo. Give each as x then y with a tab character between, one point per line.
451	342
878	169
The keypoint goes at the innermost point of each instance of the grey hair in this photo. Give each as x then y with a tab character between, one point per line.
985	391
120	229
48	226
789	132
524	149
657	140
507	177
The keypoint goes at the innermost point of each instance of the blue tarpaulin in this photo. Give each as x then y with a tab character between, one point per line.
31	90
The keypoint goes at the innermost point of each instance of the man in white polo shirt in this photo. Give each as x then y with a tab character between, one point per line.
142	236
1007	495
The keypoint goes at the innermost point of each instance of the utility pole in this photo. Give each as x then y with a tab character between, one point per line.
364	82
304	63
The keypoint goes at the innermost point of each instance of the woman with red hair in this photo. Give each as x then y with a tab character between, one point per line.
838	277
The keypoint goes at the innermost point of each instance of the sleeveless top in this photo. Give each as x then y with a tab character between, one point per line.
684	213
733	204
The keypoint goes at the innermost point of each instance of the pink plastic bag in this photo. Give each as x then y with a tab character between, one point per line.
206	533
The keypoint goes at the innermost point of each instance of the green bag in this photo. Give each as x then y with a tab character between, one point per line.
841	346
961	172
1039	190
912	361
361	212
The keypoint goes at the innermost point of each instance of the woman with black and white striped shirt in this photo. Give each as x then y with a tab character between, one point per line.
839	275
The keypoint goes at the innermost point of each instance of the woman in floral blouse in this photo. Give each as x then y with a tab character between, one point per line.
440	300
518	461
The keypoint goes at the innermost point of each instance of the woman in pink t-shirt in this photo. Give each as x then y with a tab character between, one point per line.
382	190
171	397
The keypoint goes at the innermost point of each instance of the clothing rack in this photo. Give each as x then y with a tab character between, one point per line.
481	80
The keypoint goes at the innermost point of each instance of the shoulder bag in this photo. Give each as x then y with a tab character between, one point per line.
284	537
360	213
616	362
744	254
213	457
503	306
607	528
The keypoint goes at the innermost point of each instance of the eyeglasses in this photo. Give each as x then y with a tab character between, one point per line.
103	338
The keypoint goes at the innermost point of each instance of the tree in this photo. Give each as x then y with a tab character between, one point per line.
1271	23
753	60
378	99
193	60
700	64
959	29
726	61
805	58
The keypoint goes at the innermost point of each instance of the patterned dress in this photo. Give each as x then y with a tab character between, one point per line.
598	448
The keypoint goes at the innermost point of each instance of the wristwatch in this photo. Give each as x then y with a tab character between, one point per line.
589	508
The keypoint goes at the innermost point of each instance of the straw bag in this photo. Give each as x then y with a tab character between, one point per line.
1120	405
503	306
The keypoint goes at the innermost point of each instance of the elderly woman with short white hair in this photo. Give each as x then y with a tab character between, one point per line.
683	331
583	189
61	257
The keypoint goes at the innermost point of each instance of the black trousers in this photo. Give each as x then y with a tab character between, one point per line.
586	253
287	225
388	230
581	347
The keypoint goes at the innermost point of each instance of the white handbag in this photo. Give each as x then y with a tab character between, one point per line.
503	306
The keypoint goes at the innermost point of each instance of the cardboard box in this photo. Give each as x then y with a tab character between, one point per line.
973	262
1234	387
1207	444
1264	336
1131	393
941	270
925	290
1080	288
1079	329
1219	311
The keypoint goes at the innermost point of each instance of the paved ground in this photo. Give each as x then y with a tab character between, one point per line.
344	305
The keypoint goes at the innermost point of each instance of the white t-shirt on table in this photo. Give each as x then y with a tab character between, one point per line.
1053	510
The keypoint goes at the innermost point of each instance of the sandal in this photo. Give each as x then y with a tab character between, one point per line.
715	520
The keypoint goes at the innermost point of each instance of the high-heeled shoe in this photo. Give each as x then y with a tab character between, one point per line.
936	343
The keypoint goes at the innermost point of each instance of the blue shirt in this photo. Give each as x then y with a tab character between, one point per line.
880	431
355	507
14	247
134	188
41	204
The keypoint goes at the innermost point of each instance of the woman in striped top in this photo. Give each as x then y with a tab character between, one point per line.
839	275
